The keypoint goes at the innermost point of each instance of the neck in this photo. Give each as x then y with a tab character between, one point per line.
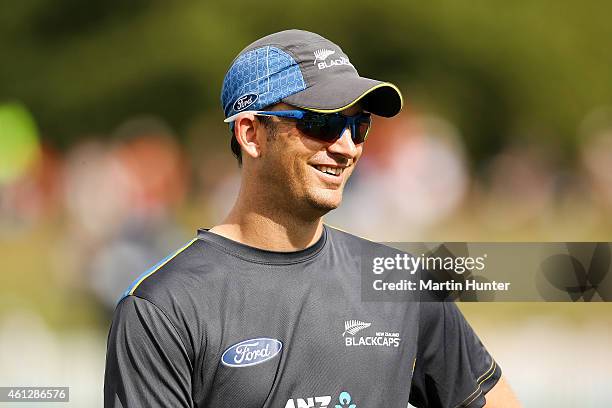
257	224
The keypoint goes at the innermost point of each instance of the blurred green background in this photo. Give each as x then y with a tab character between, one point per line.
499	71
113	151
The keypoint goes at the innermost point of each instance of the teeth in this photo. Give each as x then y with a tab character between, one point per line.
336	171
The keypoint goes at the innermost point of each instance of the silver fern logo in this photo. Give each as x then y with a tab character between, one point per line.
322	54
353	326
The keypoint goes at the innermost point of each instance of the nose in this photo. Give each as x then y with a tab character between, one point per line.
344	145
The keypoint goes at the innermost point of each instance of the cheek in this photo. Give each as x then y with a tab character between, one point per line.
359	152
309	144
285	158
297	151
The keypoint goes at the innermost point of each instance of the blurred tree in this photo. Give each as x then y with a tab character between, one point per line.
497	69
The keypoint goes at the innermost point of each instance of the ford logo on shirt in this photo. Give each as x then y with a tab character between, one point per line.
251	352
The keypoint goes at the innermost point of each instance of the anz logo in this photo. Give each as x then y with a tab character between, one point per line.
344	401
251	352
310	402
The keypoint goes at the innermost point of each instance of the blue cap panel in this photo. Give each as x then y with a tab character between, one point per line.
258	78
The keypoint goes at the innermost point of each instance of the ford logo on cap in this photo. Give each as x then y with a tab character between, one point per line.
251	352
245	101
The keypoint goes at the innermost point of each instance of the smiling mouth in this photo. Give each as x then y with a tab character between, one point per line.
333	171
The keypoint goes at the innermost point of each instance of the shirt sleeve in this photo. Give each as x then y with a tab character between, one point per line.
452	367
146	362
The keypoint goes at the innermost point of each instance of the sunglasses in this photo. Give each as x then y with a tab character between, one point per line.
326	127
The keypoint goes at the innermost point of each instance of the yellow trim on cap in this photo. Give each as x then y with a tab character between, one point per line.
358	99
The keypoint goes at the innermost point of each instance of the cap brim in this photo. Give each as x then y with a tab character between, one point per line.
379	98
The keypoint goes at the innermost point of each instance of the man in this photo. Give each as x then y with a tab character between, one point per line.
264	309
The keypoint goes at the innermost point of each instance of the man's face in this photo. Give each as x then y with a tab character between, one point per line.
299	167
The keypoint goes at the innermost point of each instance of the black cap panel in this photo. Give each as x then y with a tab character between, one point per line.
379	98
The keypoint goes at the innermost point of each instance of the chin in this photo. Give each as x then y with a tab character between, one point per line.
324	202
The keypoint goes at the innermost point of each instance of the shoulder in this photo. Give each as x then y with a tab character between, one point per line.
173	290
166	274
183	280
339	237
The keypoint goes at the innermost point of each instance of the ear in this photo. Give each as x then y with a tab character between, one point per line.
245	130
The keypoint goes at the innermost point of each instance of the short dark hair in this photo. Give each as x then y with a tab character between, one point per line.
266	121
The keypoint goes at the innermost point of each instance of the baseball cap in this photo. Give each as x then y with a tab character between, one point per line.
305	70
